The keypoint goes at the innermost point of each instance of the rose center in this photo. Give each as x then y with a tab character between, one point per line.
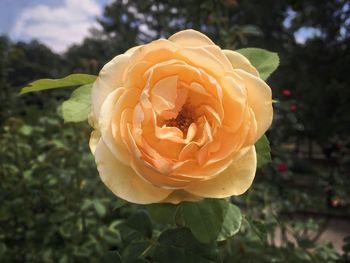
183	119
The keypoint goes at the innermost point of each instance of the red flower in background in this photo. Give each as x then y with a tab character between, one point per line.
282	167
293	108
286	92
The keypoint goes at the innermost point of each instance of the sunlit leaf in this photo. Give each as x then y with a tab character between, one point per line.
78	106
69	81
211	219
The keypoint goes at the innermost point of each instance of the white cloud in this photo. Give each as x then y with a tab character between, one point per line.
305	33
60	26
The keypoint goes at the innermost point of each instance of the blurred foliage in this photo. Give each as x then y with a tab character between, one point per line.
54	207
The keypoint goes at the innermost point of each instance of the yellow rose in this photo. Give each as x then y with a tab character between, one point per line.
176	120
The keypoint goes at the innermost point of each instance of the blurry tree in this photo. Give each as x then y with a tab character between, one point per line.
20	63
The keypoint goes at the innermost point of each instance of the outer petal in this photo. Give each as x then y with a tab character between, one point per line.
111	109
109	79
123	181
133	49
259	99
190	38
94	139
235	180
238	61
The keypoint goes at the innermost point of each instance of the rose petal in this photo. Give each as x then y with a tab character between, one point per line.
106	125
239	61
234	102
217	52
203	58
164	94
109	121
132	50
190	38
123	181
110	78
259	99
235	180
94	139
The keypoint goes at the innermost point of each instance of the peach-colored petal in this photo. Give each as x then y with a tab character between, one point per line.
234	103
197	87
94	139
253	126
107	128
190	38
191	169
234	180
164	93
169	133
133	49
154	52
145	170
189	152
180	100
239	61
202	58
259	99
110	78
209	112
123	181
217	52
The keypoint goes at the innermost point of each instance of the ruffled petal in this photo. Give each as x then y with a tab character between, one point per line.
164	94
190	38
109	121
239	61
259	99
123	181
234	180
94	139
204	58
110	78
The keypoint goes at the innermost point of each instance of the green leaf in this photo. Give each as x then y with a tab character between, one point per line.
163	213
69	81
135	251
179	245
204	218
262	147
264	61
232	222
259	229
137	228
78	106
99	208
111	257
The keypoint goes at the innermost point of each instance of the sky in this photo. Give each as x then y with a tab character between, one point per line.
62	23
56	23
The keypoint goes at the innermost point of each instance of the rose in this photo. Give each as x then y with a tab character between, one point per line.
176	120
